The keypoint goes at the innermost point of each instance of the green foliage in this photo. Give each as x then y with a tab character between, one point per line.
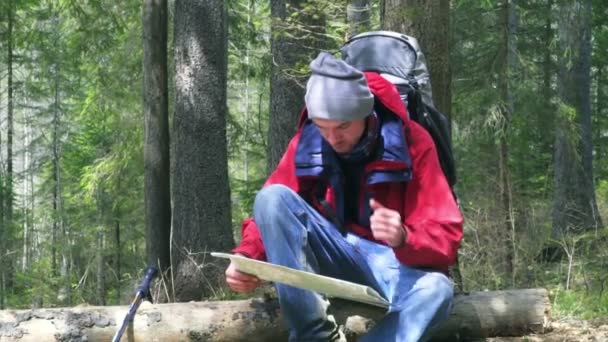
248	89
34	286
579	303
577	284
578	287
79	81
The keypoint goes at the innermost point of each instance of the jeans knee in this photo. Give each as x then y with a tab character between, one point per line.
437	286
271	196
271	201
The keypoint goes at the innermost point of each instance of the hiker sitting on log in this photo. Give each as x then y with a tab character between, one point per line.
359	195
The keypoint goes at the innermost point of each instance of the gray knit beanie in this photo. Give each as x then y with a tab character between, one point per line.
337	91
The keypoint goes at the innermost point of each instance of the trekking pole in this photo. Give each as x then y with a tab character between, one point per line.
143	292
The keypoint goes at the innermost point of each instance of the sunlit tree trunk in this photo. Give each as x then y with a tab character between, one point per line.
28	192
27	197
156	147
60	244
201	195
55	192
100	284
506	108
10	123
247	96
118	248
6	261
600	107
2	233
56	169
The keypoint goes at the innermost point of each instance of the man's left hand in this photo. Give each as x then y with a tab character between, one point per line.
386	225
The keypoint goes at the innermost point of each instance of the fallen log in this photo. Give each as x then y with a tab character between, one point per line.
475	315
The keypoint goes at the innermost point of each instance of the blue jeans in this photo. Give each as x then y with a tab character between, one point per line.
297	236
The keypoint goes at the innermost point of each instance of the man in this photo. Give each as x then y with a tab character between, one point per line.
359	195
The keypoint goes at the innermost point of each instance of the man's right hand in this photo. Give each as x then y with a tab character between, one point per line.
240	282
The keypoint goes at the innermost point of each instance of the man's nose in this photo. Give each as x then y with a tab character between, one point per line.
332	137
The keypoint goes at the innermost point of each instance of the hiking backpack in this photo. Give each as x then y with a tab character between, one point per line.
398	58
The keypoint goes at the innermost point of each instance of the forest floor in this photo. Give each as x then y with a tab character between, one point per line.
567	330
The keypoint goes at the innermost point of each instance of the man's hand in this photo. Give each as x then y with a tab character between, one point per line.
240	282
386	225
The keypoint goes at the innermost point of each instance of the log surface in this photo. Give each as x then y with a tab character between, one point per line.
475	315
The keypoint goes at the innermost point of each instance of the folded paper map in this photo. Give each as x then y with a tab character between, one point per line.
328	286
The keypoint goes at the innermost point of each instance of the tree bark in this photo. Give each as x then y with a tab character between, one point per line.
57	200
475	315
156	146
507	62
201	194
575	206
358	17
100	278
286	92
28	200
292	46
429	22
9	191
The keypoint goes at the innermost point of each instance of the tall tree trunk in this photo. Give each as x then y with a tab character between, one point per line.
507	63
546	117
201	194
57	216
156	147
100	288
358	16
55	195
6	179
286	91
9	191
247	97
118	246
6	262
574	207
290	48
600	147
27	196
2	233
548	65
118	260
429	22
60	243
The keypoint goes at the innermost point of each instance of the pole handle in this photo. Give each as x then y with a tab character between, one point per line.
143	290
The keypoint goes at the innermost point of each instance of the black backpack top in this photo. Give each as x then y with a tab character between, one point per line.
399	59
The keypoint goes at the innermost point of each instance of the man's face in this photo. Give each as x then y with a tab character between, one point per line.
341	135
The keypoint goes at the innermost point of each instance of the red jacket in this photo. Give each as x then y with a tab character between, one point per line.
430	214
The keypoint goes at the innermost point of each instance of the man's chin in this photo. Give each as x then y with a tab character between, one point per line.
342	151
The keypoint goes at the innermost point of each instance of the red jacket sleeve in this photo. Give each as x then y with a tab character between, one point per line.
251	244
432	219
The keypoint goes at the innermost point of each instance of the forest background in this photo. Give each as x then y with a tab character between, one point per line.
136	133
